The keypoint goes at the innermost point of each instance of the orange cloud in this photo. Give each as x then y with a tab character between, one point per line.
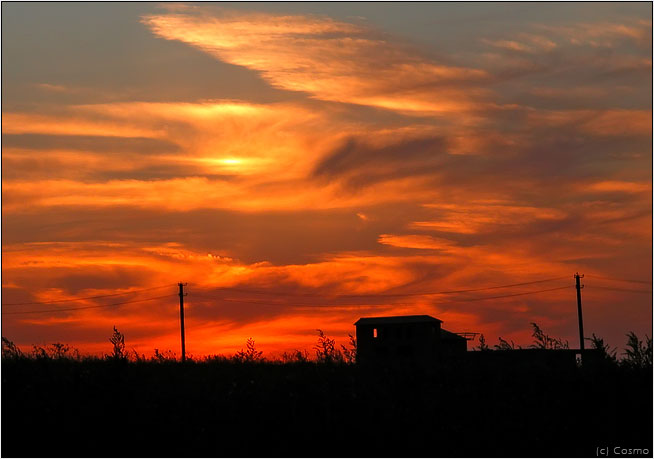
602	34
217	320
617	185
612	122
52	87
544	38
330	60
472	217
265	144
414	241
72	122
527	43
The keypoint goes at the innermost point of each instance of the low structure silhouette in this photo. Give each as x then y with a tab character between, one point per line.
417	339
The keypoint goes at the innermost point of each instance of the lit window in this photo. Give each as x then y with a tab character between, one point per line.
374	333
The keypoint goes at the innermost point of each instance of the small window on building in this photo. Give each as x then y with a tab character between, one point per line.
374	333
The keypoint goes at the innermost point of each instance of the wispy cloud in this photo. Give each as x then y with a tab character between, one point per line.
328	59
414	241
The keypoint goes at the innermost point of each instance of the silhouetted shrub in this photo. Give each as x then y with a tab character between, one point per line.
326	351
250	354
543	341
606	354
350	353
296	356
166	356
136	357
637	354
55	351
118	342
482	343
504	345
10	350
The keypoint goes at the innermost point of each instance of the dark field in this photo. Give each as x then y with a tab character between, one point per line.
107	408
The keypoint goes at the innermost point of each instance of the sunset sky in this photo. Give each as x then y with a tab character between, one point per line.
302	165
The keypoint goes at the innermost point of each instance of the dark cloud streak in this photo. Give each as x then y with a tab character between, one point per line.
97	144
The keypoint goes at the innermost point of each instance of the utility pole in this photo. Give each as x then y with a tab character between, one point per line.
581	319
181	318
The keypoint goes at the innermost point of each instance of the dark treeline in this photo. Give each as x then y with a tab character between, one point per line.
56	403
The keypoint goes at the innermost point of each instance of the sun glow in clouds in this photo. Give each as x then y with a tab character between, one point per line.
238	165
230	161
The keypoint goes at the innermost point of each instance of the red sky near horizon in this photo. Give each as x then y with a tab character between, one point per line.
302	165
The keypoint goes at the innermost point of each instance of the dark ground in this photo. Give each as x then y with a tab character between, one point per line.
103	408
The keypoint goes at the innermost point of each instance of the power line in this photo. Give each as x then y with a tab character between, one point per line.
88	307
620	289
363	295
504	286
262	292
68	300
230	300
268	303
622	280
513	294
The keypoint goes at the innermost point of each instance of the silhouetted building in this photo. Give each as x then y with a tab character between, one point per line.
406	339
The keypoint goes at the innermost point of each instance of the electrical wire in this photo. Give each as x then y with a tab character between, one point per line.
502	286
384	295
268	303
514	294
68	300
635	281
88	307
618	289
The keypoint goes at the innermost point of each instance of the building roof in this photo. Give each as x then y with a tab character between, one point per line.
396	320
447	335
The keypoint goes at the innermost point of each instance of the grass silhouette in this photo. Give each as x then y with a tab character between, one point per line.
60	404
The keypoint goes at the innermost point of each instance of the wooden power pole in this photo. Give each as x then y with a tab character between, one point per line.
181	318
579	315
